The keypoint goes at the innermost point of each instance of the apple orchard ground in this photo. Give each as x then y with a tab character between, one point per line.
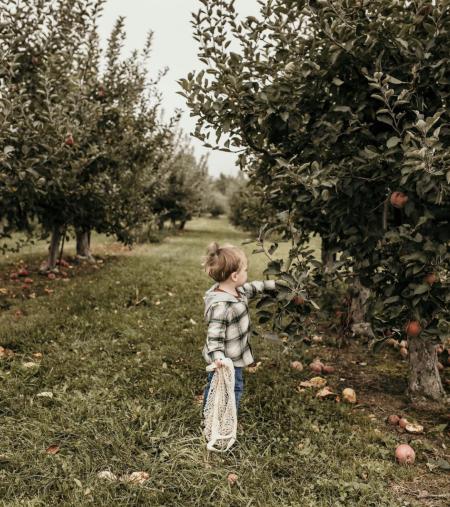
115	373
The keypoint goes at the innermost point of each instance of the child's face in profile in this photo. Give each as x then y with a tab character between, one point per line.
241	275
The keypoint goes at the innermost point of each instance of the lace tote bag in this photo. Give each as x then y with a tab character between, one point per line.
220	408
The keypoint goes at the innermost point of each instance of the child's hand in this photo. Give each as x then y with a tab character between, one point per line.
219	363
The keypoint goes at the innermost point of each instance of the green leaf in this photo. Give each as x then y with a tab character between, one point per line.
274	268
402	42
282	162
265	302
337	81
314	304
392	141
342	109
421	289
392	299
393	80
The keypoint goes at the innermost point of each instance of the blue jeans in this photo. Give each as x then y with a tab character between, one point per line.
238	386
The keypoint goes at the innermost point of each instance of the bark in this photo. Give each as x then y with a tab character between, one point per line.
182	225
385	215
53	250
328	254
360	295
424	378
84	245
358	310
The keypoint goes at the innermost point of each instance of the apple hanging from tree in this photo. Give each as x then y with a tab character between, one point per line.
69	140
398	199
413	328
298	300
430	279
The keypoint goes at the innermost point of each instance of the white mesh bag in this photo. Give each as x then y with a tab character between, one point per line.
220	408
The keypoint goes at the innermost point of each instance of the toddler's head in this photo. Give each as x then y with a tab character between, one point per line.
226	263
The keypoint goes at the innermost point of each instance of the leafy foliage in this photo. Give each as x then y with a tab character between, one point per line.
334	106
82	147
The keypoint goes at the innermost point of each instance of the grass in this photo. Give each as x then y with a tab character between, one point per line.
124	381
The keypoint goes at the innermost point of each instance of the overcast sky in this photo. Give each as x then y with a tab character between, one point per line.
173	47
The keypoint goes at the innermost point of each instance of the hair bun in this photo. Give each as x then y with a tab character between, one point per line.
213	249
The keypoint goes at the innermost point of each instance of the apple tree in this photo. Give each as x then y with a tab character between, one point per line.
87	143
339	111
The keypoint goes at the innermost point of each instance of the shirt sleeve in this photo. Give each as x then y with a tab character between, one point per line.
215	339
252	289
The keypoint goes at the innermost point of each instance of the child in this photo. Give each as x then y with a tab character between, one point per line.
226	312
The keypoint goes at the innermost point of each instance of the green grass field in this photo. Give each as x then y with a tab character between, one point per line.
124	381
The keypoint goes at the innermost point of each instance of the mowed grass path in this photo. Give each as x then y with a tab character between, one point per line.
124	380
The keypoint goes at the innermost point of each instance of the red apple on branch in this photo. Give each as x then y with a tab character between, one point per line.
413	328
398	199
69	140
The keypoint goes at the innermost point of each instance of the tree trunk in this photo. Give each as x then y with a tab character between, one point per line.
424	378
84	245
328	255
53	250
358	310
360	295
160	223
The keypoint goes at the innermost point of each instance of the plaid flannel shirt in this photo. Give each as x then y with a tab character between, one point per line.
229	325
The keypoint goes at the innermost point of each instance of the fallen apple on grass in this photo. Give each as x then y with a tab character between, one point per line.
297	365
404	454
316	366
349	395
392	342
232	479
6	353
393	420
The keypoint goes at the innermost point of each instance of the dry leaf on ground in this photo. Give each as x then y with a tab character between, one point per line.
52	449
323	393
314	382
136	478
107	475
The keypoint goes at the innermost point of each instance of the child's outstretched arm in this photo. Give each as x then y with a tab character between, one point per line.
256	287
215	339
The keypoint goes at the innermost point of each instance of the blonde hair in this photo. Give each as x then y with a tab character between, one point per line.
221	261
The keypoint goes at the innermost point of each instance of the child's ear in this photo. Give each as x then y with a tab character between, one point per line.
234	276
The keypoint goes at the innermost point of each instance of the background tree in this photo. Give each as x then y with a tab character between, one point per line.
82	150
182	188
